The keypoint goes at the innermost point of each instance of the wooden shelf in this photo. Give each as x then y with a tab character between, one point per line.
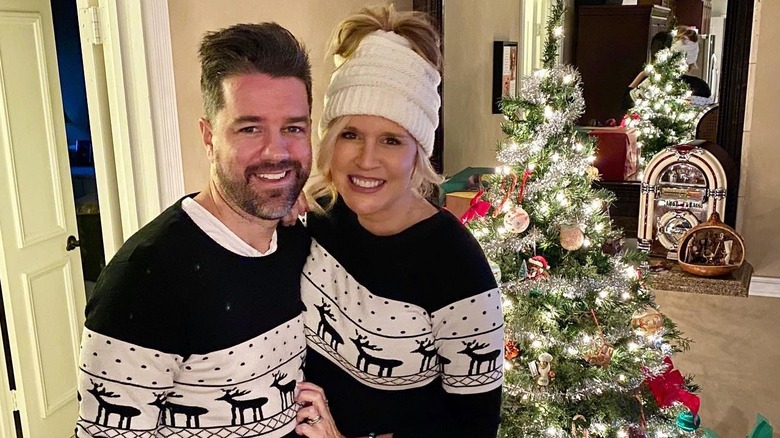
735	284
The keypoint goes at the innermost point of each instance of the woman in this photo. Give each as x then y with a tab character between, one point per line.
686	40
401	346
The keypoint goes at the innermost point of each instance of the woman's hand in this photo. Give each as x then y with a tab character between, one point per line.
314	419
300	207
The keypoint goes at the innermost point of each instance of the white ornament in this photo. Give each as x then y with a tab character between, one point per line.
543	367
516	220
572	238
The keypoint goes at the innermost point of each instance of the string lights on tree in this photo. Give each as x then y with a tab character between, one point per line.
576	363
663	114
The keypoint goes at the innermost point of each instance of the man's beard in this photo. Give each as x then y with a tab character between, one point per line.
269	204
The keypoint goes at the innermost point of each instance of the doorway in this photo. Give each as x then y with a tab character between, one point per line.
77	130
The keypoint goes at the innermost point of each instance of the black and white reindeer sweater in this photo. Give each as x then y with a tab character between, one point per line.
405	332
185	337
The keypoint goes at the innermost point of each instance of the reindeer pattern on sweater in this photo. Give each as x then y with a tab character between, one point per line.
414	317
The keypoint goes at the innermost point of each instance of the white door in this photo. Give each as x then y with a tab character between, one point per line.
42	285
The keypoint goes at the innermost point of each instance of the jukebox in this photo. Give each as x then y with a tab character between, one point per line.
681	187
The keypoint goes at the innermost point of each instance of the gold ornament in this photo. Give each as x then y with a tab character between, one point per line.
593	173
600	356
572	238
647	322
516	220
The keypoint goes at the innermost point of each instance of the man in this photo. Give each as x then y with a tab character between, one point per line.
194	328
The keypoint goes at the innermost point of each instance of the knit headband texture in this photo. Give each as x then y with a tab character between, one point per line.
385	77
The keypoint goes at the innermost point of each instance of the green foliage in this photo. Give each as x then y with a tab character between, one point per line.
663	114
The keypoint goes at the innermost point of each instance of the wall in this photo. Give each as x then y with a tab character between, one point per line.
471	130
310	20
760	201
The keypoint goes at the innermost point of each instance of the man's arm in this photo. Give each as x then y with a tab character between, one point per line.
128	356
122	386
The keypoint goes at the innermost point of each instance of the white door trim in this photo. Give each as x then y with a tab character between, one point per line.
130	84
165	117
100	125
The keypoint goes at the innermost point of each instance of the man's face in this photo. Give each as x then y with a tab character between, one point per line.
259	144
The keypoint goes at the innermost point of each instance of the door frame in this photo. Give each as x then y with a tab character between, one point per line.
131	96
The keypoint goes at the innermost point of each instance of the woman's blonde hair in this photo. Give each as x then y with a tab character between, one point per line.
321	187
415	26
424	39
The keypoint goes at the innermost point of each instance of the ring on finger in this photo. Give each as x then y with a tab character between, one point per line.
314	420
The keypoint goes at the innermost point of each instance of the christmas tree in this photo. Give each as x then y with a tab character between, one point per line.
663	113
587	353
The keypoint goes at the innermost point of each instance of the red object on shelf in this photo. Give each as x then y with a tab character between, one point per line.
617	156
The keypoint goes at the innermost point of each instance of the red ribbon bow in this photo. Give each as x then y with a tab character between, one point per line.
478	208
669	387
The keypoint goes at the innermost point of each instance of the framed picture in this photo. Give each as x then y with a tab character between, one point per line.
504	72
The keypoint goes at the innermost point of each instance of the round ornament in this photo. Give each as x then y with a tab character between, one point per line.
646	322
572	238
516	220
593	173
496	269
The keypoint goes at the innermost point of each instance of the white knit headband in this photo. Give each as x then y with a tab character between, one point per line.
386	78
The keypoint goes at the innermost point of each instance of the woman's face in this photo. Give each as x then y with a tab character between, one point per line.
372	166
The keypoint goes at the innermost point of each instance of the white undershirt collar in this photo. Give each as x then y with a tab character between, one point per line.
220	233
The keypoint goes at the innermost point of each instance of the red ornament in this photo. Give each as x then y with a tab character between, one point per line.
669	387
521	193
478	208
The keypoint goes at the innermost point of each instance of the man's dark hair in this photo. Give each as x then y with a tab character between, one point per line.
265	48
